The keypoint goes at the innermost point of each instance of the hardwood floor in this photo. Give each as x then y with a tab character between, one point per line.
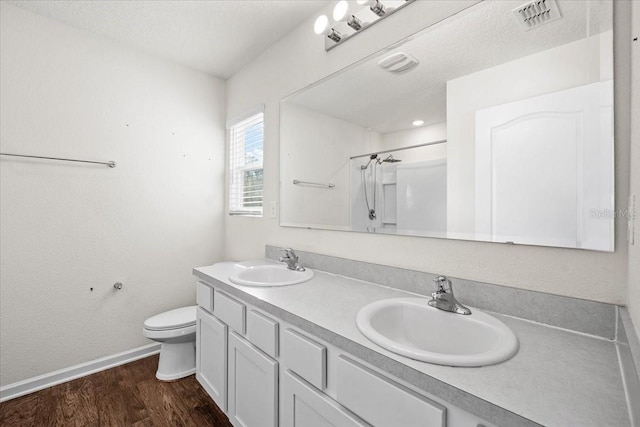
127	395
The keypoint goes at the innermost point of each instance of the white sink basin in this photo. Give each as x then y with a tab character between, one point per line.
270	275
412	328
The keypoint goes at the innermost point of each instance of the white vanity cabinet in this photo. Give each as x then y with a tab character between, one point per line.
305	406
211	356
383	402
238	375
264	372
253	385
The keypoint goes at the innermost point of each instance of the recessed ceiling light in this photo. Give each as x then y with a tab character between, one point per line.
417	122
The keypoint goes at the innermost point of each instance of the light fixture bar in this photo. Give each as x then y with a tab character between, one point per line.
377	10
334	35
354	22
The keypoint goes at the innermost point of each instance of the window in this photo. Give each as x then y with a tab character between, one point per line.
246	136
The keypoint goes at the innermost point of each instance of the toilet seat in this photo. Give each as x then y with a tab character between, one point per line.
180	318
167	334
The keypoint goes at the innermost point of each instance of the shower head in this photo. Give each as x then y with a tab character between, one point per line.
390	159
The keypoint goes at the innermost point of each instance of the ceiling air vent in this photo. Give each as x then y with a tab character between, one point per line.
536	13
398	62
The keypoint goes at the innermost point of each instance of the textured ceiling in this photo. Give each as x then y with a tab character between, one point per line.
483	36
217	37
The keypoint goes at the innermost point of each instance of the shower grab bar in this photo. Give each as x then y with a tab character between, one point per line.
296	182
110	163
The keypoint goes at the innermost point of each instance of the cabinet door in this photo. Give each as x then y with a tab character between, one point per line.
253	385
211	356
305	406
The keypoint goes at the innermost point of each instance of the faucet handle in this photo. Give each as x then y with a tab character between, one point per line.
291	259
440	281
443	297
289	253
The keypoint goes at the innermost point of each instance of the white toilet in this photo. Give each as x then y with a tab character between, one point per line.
176	330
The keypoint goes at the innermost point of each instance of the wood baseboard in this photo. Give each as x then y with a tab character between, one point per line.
20	388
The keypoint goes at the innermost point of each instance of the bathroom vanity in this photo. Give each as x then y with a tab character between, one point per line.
263	371
292	355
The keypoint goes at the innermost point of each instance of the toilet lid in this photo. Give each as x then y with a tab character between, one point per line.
172	319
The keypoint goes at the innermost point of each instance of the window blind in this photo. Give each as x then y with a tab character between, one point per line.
246	142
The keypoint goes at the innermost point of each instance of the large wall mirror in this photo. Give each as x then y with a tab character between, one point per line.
486	126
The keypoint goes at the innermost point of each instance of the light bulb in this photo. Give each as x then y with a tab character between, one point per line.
321	24
341	13
341	10
321	27
417	122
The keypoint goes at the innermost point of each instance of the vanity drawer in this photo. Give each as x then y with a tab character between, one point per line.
382	402
230	311
262	332
204	296
305	357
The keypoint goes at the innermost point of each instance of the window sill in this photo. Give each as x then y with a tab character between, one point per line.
246	214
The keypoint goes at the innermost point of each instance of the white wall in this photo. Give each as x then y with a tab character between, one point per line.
415	136
299	59
317	148
69	227
634	250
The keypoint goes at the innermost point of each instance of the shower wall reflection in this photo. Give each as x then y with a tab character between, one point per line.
400	190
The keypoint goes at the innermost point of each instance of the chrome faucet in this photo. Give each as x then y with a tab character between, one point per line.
443	297
291	259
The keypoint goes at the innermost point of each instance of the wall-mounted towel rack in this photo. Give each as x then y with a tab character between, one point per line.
296	182
110	163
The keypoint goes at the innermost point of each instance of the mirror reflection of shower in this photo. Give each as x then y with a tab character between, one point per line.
388	188
375	159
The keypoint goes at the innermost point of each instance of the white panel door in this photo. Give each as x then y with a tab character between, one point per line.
544	168
253	385
211	356
305	406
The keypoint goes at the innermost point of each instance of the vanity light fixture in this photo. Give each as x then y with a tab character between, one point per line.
342	13
417	122
321	27
351	17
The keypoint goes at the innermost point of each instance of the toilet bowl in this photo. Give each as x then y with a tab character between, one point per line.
175	330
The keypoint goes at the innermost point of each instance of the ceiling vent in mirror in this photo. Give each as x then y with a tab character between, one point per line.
535	13
398	62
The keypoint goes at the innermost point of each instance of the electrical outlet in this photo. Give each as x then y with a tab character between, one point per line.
273	209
